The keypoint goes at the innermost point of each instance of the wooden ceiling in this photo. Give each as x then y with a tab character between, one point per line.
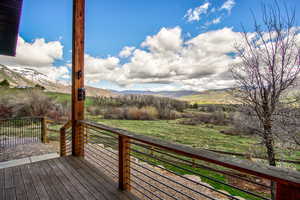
10	12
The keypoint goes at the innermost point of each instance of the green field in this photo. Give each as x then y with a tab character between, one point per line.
211	97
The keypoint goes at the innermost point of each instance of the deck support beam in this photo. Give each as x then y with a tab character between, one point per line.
78	77
287	192
124	163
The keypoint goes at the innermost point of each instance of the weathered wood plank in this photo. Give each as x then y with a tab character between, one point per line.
2	184
9	185
79	173
10	193
82	190
37	180
59	187
105	181
61	178
46	180
108	188
65	181
20	187
8	178
28	182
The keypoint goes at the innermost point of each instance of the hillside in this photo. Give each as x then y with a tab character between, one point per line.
22	77
171	94
211	97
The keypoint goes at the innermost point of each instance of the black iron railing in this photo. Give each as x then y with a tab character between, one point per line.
20	131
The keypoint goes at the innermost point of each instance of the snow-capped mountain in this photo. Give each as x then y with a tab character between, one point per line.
28	77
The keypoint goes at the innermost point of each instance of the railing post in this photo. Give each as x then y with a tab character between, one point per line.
287	192
63	150
44	136
124	163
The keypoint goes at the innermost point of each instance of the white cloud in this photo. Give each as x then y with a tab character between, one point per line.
54	73
214	21
166	58
207	12
39	55
126	52
195	14
166	40
228	5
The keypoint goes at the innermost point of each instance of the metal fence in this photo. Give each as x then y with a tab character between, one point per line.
20	131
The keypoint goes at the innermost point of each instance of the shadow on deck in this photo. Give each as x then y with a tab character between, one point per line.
60	178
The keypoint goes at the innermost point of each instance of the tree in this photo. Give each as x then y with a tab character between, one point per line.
40	87
268	66
4	83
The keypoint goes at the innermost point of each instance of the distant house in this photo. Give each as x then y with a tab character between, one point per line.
22	87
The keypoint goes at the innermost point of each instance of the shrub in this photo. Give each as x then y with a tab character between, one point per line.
33	103
149	113
132	113
114	113
216	118
94	110
6	110
4	83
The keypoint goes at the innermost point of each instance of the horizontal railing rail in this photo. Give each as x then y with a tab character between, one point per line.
156	169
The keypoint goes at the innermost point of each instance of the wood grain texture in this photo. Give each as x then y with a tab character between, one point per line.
66	178
77	80
124	163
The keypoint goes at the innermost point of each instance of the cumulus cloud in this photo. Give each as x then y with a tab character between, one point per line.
126	52
228	5
198	63
39	55
195	14
55	73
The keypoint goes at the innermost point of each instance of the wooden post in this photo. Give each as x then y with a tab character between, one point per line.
287	192
124	163
63	150
44	136
78	77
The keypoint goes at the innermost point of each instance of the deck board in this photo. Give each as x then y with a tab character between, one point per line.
59	178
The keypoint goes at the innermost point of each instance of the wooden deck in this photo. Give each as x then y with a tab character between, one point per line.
59	178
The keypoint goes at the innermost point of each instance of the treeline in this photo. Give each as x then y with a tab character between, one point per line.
215	107
138	107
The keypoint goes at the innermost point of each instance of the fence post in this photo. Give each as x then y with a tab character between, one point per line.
124	163
287	192
63	142
44	136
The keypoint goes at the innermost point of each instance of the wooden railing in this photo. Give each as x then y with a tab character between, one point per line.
156	169
66	139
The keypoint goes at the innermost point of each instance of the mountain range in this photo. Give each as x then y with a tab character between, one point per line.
24	77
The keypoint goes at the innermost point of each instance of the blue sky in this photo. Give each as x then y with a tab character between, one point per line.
112	25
